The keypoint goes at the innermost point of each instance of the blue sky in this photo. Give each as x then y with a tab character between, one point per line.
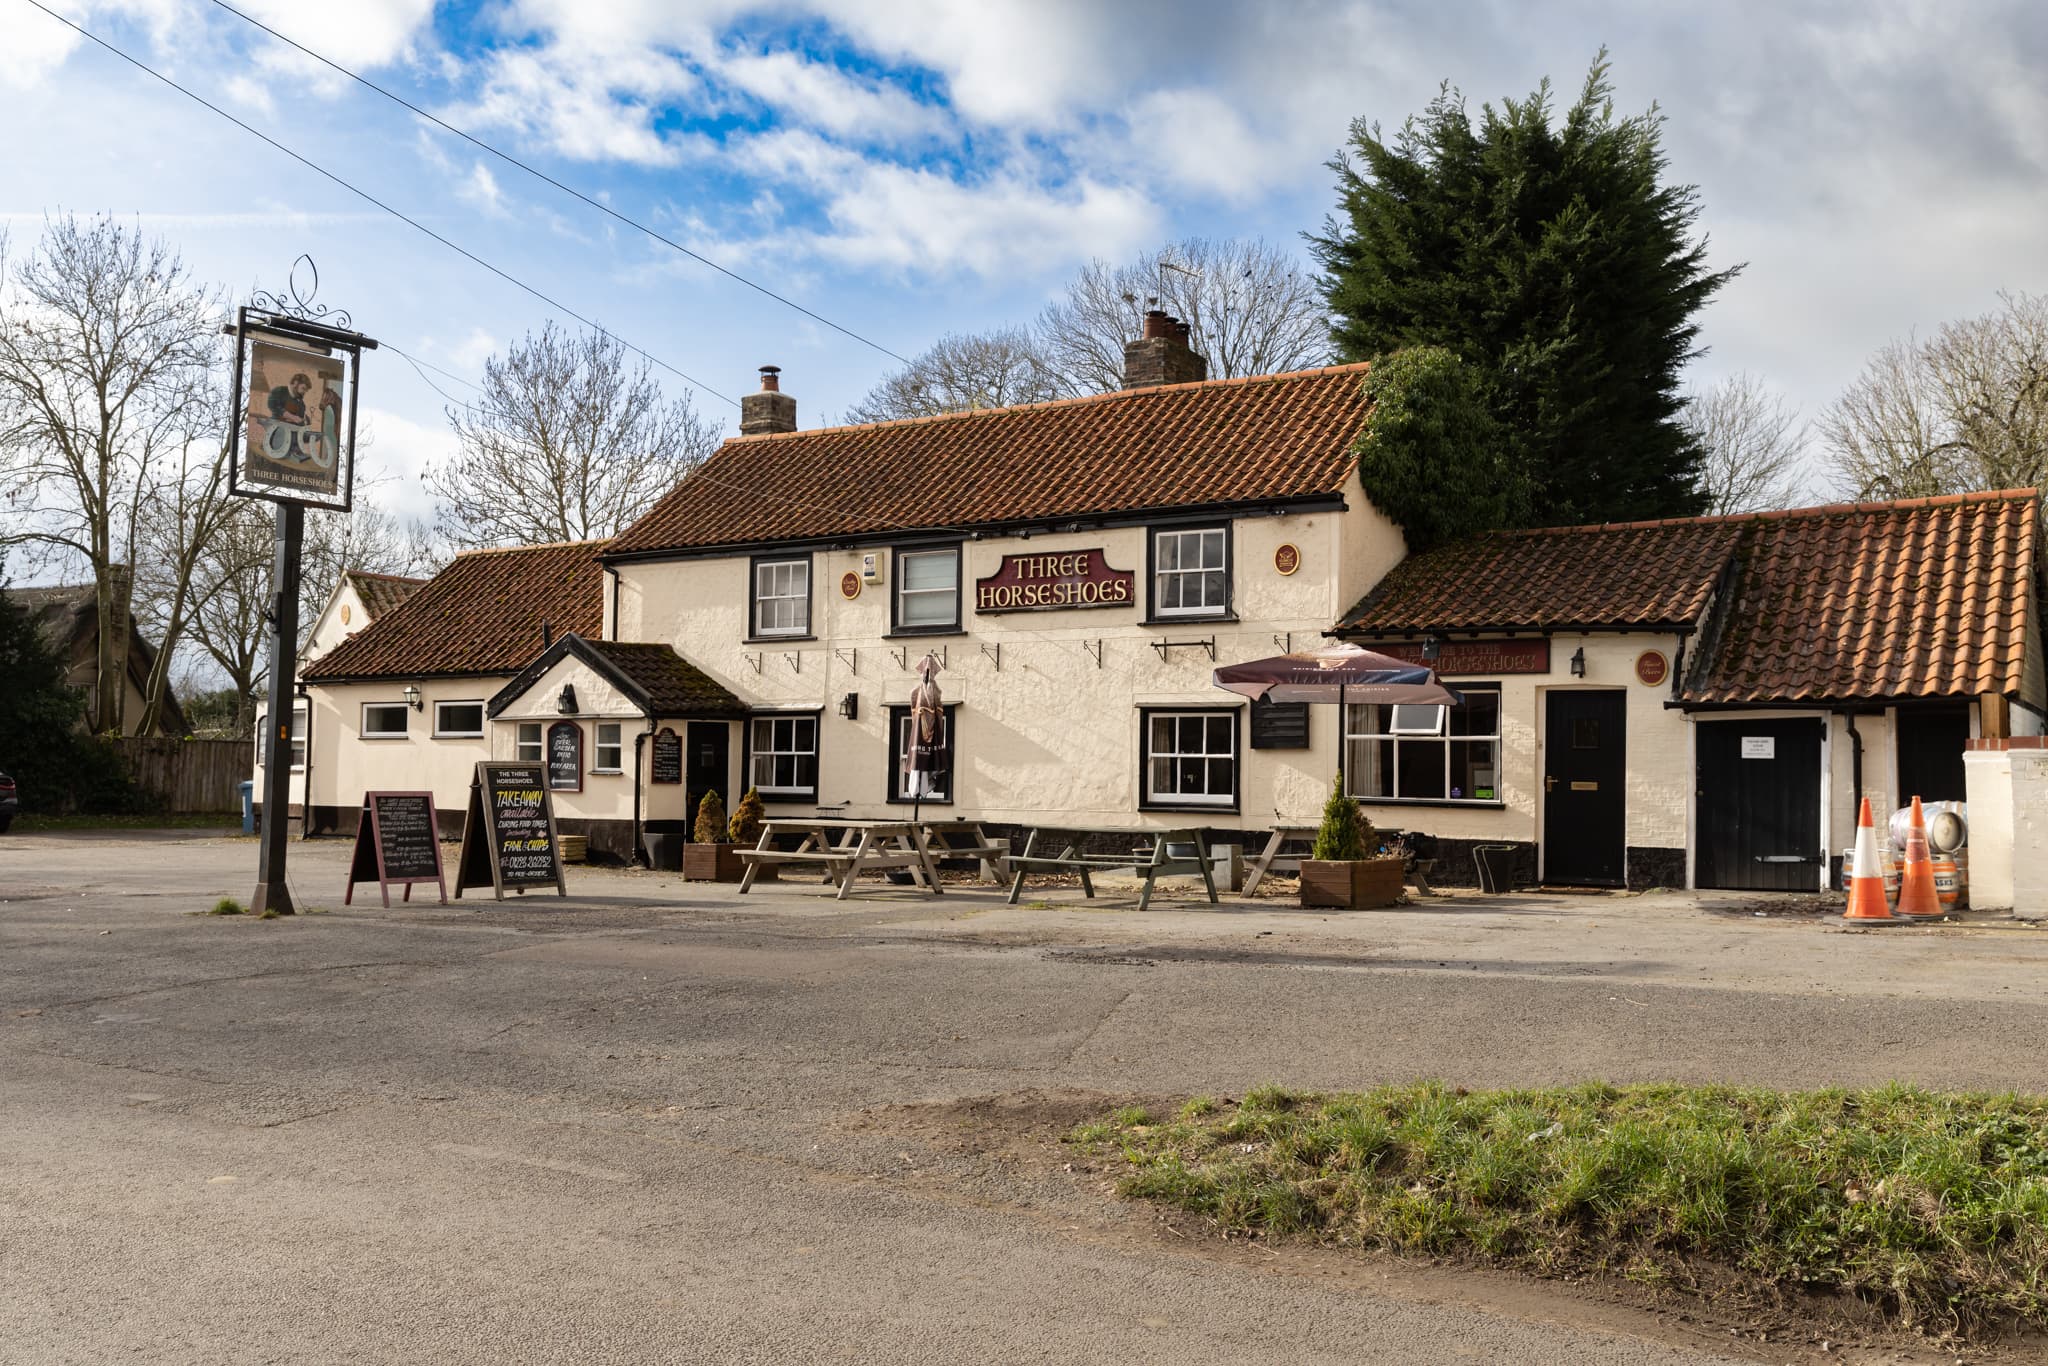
914	167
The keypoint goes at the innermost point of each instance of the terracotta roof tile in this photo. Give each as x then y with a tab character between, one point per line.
480	615
382	593
1223	441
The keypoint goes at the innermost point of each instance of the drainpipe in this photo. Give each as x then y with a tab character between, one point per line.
1855	754
640	858
614	573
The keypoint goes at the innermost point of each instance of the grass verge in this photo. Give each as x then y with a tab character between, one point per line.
1932	1206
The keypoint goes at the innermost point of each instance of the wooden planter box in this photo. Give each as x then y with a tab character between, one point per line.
711	863
1355	885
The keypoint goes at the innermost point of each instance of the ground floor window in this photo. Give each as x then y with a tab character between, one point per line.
385	720
935	786
458	720
299	721
1433	754
527	750
611	750
1190	758
783	756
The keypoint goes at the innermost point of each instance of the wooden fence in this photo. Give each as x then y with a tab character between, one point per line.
190	775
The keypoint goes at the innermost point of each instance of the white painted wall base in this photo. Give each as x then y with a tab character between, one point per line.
1988	780
2029	834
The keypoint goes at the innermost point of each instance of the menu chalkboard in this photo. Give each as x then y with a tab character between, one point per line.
565	757
508	838
396	841
668	756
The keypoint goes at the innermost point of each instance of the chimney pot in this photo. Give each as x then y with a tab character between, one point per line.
1157	324
769	383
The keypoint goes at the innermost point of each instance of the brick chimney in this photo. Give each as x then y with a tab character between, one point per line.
1162	355
771	410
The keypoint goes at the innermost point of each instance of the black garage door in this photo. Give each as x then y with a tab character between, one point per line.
1757	820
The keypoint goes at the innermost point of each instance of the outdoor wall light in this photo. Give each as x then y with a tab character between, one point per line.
566	703
412	697
849	706
1432	646
1579	662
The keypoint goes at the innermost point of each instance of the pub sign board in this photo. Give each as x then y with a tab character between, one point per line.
565	757
668	756
1055	581
396	842
508	834
1471	657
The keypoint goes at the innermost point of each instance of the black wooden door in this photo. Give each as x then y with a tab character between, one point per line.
1757	805
1585	754
707	756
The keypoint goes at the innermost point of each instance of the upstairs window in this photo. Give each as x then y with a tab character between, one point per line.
1191	572
458	720
782	597
928	590
385	720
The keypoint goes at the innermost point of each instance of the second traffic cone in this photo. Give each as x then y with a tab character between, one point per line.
1866	879
1917	897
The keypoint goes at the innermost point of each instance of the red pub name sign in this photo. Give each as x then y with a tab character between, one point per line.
1044	583
1477	656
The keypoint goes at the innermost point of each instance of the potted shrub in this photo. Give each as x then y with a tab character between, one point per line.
1344	869
710	857
746	830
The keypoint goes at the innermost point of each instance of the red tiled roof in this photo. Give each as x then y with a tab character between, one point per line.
1632	574
1926	597
480	615
381	593
673	685
1179	445
1930	597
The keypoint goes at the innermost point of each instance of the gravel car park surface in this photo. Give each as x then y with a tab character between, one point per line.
660	1122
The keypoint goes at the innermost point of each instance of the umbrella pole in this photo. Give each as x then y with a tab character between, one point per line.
1342	744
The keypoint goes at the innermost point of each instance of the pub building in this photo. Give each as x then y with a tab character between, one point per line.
1679	703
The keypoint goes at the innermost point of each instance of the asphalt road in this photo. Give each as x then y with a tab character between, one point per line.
662	1123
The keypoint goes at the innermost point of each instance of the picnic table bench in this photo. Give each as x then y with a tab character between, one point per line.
1151	865
843	850
966	839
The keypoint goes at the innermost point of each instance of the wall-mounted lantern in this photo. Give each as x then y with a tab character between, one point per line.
412	697
849	706
566	703
1579	662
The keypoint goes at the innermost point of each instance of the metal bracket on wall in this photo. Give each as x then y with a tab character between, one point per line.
1094	647
1285	642
994	652
1205	643
850	658
796	660
903	657
752	657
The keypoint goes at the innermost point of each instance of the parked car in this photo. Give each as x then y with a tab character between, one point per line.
10	802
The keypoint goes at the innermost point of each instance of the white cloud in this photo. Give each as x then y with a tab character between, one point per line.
469	354
581	105
394	454
357	35
480	188
32	45
824	97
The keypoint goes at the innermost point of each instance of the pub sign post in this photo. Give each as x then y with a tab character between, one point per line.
291	441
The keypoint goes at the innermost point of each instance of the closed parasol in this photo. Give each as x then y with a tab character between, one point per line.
1341	673
925	755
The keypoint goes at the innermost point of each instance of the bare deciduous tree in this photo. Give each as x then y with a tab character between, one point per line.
108	377
981	370
1250	309
568	442
1965	410
1755	446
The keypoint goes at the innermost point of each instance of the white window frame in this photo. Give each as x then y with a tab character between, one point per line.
530	751
300	720
902	625
1225	801
1440	736
440	733
756	598
404	732
1199	536
1407	722
617	746
757	751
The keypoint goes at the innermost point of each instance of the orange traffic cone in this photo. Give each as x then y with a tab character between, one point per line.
1866	879
1917	897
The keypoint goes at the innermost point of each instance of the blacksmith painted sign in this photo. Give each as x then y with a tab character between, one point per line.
1055	581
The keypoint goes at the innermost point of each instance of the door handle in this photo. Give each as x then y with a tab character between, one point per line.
1549	782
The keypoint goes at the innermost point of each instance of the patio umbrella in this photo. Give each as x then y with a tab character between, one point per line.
926	752
1338	672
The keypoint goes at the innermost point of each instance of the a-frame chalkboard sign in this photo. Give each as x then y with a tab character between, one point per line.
396	842
508	837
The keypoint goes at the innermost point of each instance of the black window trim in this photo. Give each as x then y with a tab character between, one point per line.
1237	750
897	715
754	635
1228	526
951	628
1499	690
817	714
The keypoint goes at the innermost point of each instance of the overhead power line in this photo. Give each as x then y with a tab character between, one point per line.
569	190
366	196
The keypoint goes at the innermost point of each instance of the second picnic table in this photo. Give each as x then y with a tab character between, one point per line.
1150	865
844	849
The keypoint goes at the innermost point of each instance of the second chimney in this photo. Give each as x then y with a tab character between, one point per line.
771	410
1161	355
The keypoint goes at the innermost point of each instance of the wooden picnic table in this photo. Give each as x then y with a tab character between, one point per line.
844	849
1151	865
966	839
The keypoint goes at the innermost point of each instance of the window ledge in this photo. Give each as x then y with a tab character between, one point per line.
1217	808
459	735
776	640
1207	618
404	735
909	631
1462	803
